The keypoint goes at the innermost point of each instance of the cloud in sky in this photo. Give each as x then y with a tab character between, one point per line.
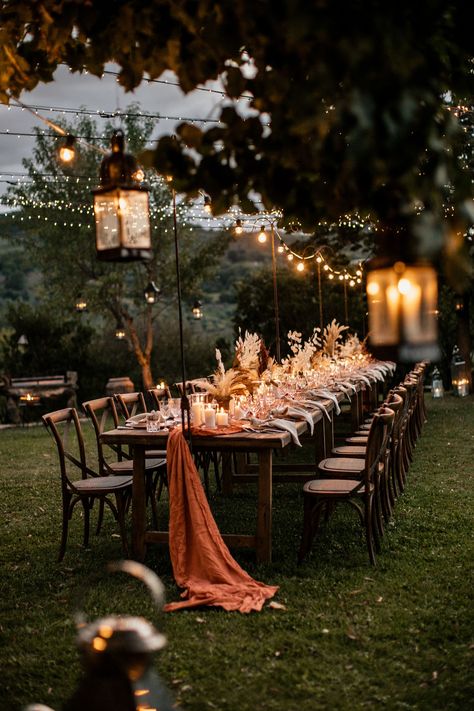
74	90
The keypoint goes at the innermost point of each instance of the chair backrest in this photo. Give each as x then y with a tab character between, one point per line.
377	442
130	404
189	387
65	428
158	394
192	386
103	415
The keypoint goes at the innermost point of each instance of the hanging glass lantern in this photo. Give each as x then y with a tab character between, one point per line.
121	207
120	331
197	311
80	305
459	379
151	293
402	300
437	388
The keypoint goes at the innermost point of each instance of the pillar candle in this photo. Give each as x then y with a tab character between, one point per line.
210	418
197	413
222	418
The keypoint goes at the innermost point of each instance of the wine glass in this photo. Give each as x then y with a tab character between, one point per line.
165	409
175	407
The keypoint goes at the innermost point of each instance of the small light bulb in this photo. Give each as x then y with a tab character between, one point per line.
330	276
262	235
290	257
281	249
238	229
319	259
326	267
300	266
341	277
67	152
66	155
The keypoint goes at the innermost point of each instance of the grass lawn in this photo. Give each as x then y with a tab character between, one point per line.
399	636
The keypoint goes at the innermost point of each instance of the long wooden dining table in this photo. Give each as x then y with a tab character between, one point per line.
262	444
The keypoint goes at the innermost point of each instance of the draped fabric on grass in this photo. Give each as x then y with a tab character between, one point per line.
202	564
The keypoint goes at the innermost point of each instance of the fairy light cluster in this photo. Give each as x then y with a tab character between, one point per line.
100	113
350	278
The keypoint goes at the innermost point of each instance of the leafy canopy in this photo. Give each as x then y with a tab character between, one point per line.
348	98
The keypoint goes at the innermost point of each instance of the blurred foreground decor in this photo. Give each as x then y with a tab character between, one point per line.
117	654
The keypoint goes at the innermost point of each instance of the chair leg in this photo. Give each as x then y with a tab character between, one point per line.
100	517
120	503
312	510
65	525
369	530
86	506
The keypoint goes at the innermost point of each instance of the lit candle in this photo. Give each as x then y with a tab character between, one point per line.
222	418
210	418
197	413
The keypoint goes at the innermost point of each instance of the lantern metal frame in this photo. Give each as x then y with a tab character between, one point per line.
120	333
197	310
121	207
151	293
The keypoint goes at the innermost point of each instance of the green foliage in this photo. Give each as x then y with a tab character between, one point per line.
354	93
397	636
55	227
55	345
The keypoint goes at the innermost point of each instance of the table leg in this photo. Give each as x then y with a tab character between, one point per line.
264	513
138	504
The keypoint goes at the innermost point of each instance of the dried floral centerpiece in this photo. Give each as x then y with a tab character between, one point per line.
332	336
303	352
224	383
251	359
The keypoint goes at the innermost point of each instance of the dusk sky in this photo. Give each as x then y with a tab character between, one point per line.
75	90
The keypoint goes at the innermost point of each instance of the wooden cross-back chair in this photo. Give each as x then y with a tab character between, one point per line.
130	404
353	481
156	395
357	446
79	483
103	415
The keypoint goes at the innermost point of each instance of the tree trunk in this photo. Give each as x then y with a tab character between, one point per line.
143	356
147	378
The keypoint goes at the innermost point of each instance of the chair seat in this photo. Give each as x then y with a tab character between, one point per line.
358	439
126	465
335	487
342	465
103	484
155	453
349	450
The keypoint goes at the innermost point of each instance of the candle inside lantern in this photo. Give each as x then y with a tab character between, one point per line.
222	418
462	387
210	418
